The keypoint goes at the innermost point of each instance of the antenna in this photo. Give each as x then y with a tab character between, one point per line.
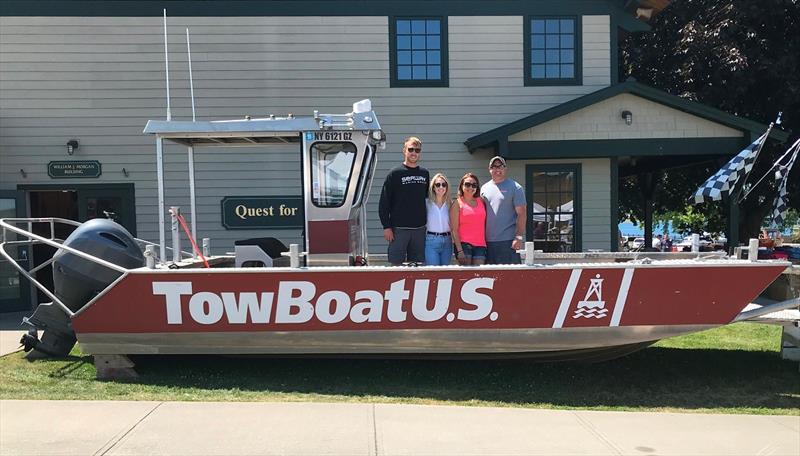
166	59
191	82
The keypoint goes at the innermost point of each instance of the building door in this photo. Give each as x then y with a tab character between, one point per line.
77	202
14	288
116	203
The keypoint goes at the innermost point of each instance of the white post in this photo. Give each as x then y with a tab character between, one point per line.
191	82
150	256
294	255
752	250
160	172
192	201
695	242
529	253
206	247
176	234
166	59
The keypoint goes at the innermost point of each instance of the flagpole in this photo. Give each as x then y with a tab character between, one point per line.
794	146
755	159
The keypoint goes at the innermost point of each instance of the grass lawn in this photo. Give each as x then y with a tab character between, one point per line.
733	369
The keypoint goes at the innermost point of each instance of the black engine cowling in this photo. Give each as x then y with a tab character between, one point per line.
77	280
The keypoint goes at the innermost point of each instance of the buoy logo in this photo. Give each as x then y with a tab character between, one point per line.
594	307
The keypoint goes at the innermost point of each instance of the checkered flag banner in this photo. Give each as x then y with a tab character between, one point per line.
781	203
724	180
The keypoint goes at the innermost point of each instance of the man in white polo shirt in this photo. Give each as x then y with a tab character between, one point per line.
505	215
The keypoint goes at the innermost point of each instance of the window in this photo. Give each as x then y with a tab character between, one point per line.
331	166
418	52
552	51
555	209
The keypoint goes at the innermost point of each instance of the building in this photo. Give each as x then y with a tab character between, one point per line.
536	81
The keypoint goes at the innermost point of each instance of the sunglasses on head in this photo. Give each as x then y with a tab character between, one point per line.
414	149
440	184
470	185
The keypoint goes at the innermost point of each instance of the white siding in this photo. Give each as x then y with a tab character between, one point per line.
100	79
603	120
596	45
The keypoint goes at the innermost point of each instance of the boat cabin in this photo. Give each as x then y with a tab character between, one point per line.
339	155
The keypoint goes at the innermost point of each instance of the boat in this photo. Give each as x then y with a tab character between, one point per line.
119	296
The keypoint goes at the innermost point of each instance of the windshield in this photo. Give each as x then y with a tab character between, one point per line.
331	168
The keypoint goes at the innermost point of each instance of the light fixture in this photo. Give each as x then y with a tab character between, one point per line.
23	173
72	146
644	13
628	116
125	172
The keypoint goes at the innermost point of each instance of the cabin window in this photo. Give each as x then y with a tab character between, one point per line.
331	168
554	208
418	51
552	51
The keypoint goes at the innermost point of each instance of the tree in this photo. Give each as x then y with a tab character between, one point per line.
740	56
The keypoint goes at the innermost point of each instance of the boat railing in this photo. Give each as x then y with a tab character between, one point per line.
12	225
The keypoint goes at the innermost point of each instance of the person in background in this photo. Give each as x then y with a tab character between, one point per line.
505	219
540	231
402	206
468	222
657	243
438	241
666	244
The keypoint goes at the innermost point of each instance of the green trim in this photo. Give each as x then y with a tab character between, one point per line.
23	301
444	49
577	191
614	170
631	87
614	34
249	8
528	78
594	148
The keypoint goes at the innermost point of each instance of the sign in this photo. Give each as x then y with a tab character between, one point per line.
74	169
252	212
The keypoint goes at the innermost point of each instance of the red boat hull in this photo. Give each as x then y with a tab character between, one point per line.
487	310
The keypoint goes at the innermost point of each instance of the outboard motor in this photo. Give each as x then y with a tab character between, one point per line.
77	280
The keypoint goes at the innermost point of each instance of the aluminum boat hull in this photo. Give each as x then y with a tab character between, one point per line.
489	310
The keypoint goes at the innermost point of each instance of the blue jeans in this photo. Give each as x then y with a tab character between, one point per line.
438	250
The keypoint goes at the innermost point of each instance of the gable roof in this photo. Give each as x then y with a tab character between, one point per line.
501	134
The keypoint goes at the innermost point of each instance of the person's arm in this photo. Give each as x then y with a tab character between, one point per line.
454	230
383	208
520	210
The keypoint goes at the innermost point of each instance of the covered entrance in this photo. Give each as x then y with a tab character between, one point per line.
575	154
79	202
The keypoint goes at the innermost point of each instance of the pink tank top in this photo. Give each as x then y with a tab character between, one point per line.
472	223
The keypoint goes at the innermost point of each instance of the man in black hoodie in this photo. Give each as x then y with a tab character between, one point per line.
402	206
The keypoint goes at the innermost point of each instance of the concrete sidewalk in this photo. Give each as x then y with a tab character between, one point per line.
11	331
201	428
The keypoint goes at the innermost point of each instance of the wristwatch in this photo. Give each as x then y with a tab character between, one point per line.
519	238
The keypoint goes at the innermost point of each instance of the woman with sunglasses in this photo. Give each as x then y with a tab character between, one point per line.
468	222
438	243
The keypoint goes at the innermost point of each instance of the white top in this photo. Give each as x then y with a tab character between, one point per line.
438	217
